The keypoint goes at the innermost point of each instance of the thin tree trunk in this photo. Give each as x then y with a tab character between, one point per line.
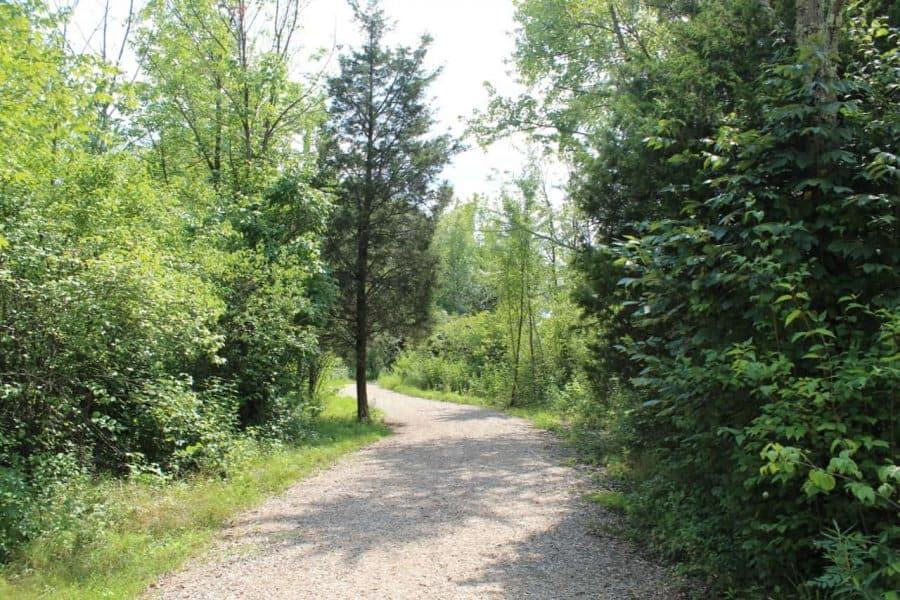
313	376
623	48
362	333
535	388
162	161
519	325
818	26
217	145
242	34
364	206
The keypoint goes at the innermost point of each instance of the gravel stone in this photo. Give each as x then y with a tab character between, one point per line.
462	502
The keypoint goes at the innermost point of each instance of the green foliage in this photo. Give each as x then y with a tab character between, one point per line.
221	108
98	297
466	355
858	563
112	538
153	321
219	101
460	286
764	325
525	351
737	160
607	499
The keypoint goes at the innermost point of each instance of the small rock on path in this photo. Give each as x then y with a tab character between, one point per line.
462	502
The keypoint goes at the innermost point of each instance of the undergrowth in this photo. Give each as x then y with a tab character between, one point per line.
135	530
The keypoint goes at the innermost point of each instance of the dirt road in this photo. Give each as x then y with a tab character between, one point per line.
462	502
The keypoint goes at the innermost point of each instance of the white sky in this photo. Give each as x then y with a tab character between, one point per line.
472	41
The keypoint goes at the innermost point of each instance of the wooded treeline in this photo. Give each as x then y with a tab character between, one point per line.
171	242
735	194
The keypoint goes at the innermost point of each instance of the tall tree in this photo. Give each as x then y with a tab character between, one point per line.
386	165
220	100
222	106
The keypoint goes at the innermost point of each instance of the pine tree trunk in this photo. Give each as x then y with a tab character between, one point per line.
362	250
362	330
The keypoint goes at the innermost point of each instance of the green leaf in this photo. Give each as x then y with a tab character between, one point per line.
794	314
862	491
822	480
889	473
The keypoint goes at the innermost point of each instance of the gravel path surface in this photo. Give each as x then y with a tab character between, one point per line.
462	502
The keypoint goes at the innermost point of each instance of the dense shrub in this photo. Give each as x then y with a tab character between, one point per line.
97	299
764	323
471	355
463	355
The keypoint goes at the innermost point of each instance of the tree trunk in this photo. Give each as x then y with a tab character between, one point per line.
364	212
362	396
818	27
217	144
313	378
818	33
517	348
623	48
362	329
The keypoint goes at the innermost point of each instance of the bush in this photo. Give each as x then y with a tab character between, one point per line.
465	355
148	325
39	494
764	328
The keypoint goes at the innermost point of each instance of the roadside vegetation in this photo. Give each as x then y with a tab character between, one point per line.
163	291
111	538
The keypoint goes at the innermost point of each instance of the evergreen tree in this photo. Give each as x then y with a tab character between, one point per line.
386	166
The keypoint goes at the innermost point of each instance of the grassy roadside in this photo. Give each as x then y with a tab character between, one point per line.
146	530
540	417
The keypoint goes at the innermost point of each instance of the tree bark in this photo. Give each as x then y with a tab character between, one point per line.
818	26
364	206
362	330
818	34
623	48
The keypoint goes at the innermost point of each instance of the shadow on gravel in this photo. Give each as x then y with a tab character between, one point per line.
425	490
563	562
473	414
419	491
408	499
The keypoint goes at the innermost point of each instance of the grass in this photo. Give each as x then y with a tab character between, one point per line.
149	529
540	416
608	499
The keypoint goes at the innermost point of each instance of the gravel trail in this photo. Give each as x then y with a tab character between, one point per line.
461	502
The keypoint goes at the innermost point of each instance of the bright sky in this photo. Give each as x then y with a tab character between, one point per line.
472	41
